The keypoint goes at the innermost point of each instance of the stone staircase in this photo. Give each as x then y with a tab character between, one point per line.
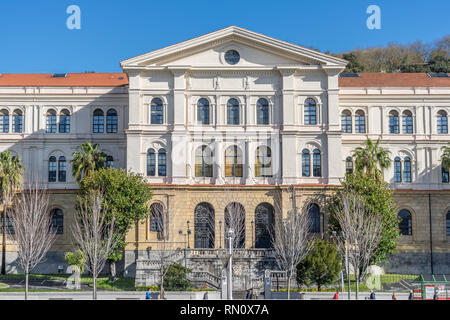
199	279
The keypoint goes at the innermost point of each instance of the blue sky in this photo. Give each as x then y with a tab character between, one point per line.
34	37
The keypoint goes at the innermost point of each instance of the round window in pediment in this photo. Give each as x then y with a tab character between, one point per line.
232	57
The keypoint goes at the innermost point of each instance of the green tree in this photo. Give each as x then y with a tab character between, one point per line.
372	158
379	198
11	175
127	198
85	162
175	278
76	258
321	266
354	65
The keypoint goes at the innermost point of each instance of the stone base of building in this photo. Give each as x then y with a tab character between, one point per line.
418	263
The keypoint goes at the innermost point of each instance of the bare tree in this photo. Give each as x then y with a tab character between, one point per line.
94	235
32	224
235	220
165	254
360	232
290	239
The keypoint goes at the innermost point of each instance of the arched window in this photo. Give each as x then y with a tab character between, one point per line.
407	122
111	121
156	217
51	121
317	168
109	162
62	168
346	121
151	163
233	111
306	163
393	122
445	174
314	218
310	111
442	122
57	224
349	165
203	162
360	122
407	169
397	170
233	162
98	121
264	225
52	169
64	121
157	111
162	162
262	111
203	111
405	224
447	222
204	226
235	219
17	121
263	167
4	121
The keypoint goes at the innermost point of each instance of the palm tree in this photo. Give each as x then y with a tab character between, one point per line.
371	158
89	159
445	157
11	174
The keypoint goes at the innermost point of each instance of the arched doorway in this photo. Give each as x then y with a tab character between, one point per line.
235	219
264	218
204	226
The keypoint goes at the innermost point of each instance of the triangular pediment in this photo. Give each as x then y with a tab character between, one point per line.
256	50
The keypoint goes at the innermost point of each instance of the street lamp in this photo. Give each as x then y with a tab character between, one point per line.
334	235
252	233
230	234
180	232
220	234
188	234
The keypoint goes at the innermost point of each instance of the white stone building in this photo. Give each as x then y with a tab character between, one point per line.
238	113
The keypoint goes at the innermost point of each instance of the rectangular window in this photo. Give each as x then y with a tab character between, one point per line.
310	115
442	125
99	124
397	172
317	172
360	124
64	124
346	123
51	124
157	114
407	124
233	115
393	124
111	124
445	175
17	124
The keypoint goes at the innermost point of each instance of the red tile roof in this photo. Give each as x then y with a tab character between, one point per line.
393	80
71	80
120	79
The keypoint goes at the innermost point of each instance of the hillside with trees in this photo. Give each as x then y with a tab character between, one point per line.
414	57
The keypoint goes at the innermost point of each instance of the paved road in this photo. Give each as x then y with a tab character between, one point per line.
102	295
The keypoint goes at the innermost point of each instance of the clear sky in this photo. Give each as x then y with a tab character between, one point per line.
34	36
